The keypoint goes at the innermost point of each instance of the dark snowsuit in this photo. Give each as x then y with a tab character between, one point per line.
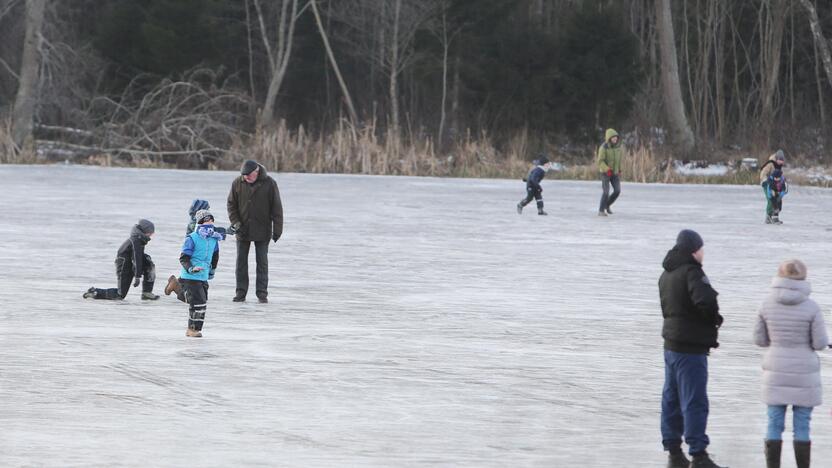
691	320
259	212
131	262
533	188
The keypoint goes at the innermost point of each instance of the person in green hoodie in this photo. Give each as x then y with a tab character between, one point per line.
609	166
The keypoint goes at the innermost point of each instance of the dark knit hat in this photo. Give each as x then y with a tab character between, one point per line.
689	241
146	226
542	159
248	166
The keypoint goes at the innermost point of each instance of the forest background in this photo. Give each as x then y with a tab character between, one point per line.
415	87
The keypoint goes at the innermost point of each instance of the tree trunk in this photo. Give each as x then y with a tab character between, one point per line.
772	41
671	90
24	103
341	83
445	46
279	62
394	72
820	40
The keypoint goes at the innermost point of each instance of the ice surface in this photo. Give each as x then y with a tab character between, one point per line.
413	321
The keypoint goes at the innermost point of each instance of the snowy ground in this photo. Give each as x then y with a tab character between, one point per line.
413	322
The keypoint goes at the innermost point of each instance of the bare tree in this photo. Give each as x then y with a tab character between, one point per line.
820	41
24	103
772	17
280	54
671	89
341	82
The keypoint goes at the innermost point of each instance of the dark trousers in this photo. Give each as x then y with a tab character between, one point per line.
261	249
195	293
124	279
533	193
685	401
606	199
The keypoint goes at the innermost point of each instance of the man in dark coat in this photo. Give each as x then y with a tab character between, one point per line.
256	214
691	320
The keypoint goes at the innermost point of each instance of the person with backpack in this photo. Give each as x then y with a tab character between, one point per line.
132	264
790	326
533	189
774	186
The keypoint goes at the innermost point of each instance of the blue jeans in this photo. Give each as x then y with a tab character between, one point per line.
777	418
685	401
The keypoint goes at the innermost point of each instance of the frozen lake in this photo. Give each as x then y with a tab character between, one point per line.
412	322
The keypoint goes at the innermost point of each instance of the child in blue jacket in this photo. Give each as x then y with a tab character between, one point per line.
533	188
199	258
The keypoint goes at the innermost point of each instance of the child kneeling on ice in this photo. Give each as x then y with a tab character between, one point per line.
199	258
131	264
533	188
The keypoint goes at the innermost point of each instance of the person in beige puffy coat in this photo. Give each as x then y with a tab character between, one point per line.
790	326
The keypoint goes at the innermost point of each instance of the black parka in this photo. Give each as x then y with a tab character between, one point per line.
256	207
689	305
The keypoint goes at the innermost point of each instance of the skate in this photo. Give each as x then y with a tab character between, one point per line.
172	286
149	296
542	213
602	213
263	300
239	298
190	332
90	294
776	220
609	211
519	208
768	219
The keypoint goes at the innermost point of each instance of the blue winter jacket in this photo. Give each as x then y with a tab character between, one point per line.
199	251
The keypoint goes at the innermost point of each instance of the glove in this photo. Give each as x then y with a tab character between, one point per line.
211	274
275	236
194	269
609	172
234	229
136	281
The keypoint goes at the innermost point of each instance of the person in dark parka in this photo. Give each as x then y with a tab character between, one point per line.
691	322
131	265
533	189
256	215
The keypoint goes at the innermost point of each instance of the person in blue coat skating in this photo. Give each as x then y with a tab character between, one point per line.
533	189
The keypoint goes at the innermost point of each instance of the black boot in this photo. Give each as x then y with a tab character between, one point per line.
802	453
541	212
677	459
773	449
703	460
91	293
520	208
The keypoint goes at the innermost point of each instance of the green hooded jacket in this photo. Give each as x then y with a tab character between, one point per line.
609	155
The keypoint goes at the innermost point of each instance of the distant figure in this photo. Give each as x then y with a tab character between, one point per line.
774	186
131	262
691	321
791	327
199	258
609	166
533	188
256	215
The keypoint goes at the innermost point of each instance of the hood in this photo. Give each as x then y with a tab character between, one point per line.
142	229
676	258
197	205
790	291
609	134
